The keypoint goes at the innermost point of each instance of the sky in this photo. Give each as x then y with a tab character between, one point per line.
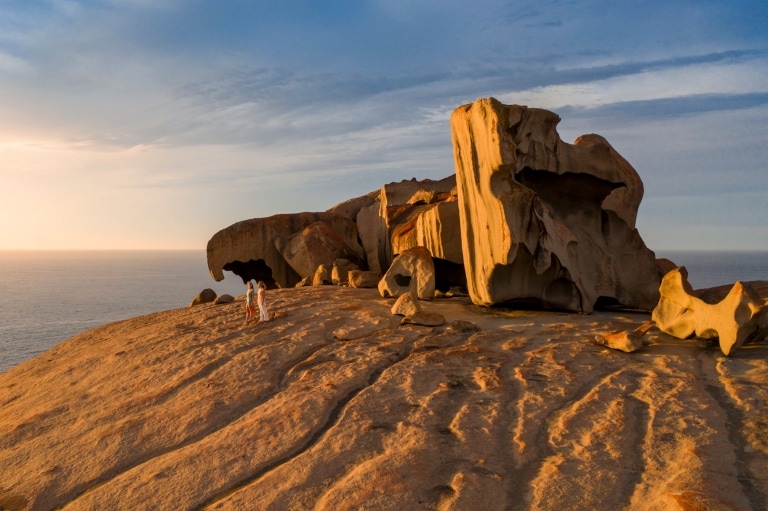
153	124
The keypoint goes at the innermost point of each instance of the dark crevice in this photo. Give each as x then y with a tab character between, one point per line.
252	270
734	424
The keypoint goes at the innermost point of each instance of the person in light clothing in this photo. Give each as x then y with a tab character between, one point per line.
250	306
261	300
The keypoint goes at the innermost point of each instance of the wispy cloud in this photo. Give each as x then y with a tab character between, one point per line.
309	105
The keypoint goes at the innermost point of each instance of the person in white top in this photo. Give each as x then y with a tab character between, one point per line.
261	300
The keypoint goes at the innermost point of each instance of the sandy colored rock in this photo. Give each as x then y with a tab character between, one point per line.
340	271
333	405
624	340
741	316
322	276
543	221
364	279
424	319
207	295
407	304
413	271
315	245
247	248
225	298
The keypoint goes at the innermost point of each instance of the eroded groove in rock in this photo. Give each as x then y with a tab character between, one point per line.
588	437
253	441
684	455
333	418
740	399
228	416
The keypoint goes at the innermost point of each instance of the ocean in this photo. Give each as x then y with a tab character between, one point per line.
49	296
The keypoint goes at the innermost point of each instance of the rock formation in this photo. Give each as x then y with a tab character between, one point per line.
340	271
315	245
412	271
527	219
544	221
248	248
738	317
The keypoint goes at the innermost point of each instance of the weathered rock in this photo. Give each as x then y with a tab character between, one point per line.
364	279
463	327
424	319
394	222
623	340
306	281
406	305
322	276
207	295
222	299
248	249
340	271
544	221
413	271
315	245
187	409
740	316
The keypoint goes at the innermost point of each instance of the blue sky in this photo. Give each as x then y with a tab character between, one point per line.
156	123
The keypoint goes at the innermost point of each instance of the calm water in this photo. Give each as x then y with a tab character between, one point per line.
47	297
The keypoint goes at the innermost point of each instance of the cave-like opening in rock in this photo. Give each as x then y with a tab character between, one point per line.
256	270
568	193
449	275
402	280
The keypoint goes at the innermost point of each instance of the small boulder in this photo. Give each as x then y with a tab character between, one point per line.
363	279
424	319
207	295
413	270
340	271
406	305
225	298
322	276
314	245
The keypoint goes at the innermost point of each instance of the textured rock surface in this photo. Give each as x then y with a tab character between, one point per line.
340	271
410	213
248	249
186	409
322	276
314	245
545	221
412	271
225	298
364	279
406	305
736	318
207	295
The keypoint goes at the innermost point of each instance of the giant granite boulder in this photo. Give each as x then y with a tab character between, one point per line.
544	221
315	245
247	248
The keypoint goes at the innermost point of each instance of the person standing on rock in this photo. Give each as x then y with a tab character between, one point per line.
261	299
250	308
